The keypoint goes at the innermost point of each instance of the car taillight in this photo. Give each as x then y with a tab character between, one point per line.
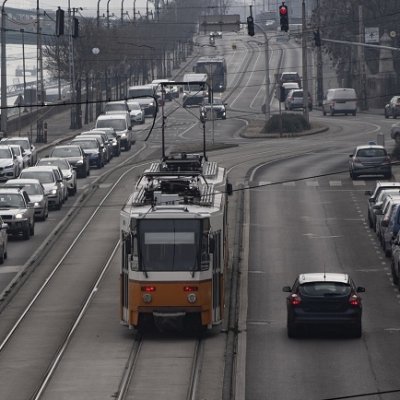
387	159
354	300
295	299
148	289
190	288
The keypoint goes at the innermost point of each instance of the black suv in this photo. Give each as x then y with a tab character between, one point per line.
214	110
17	211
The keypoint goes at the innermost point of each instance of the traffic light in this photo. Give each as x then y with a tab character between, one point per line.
250	26
317	38
59	22
284	17
75	27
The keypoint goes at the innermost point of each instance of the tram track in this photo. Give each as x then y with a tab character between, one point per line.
191	360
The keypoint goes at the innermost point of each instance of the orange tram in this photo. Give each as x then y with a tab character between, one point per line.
174	245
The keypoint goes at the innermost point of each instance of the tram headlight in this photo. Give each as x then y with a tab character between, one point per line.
192	298
147	298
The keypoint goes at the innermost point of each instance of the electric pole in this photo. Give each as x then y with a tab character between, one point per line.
361	61
320	79
305	63
3	71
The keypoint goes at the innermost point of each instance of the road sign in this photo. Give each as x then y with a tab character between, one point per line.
223	23
372	35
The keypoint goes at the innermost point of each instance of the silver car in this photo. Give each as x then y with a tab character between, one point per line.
68	173
36	195
51	182
370	159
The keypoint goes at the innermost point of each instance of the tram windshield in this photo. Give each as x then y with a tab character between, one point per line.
169	245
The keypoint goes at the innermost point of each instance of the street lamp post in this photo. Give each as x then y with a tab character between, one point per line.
267	80
108	14
3	72
98	13
134	10
305	63
122	12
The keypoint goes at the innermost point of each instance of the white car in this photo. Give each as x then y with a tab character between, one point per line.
26	144
9	165
135	111
21	156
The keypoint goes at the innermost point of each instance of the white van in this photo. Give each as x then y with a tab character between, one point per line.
195	89
340	100
121	123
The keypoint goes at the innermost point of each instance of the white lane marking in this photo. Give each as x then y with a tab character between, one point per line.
335	183
312	183
359	183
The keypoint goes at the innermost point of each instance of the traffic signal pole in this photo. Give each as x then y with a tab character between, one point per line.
305	62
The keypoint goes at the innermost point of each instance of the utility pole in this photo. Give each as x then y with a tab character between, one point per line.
3	71
71	68
122	12
305	63
361	61
98	13
39	76
320	79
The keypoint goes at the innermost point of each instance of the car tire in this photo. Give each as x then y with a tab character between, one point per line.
397	138
323	112
2	255
32	229
357	330
58	205
370	221
395	277
26	233
291	330
354	113
394	116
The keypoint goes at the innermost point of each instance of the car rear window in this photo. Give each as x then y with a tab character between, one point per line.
371	153
318	289
297	94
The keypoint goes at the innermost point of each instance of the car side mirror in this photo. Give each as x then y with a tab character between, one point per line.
385	223
4	226
286	289
129	128
360	289
350	155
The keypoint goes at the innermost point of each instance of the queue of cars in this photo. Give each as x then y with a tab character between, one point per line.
32	187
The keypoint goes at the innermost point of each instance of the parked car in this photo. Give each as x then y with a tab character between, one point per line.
37	196
92	147
370	159
392	109
135	112
294	100
9	165
340	101
68	173
380	186
214	110
17	211
395	264
3	240
26	144
75	156
395	133
390	228
377	206
51	183
384	214
324	299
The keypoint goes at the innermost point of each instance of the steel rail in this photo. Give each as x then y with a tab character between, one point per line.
60	262
50	372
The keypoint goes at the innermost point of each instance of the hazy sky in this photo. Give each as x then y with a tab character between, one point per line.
89	6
